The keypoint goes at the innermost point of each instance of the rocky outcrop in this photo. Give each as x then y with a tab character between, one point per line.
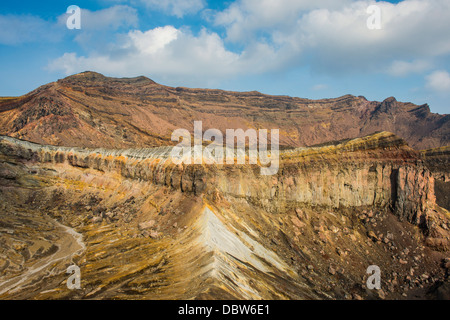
152	229
414	196
155	230
438	162
91	110
379	170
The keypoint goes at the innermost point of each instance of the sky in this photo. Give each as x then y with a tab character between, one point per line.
304	48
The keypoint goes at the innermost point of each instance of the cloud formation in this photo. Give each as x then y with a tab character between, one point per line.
244	19
18	29
404	68
164	51
178	8
112	18
329	37
438	81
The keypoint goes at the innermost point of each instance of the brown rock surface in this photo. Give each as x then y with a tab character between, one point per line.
141	227
438	162
91	110
302	234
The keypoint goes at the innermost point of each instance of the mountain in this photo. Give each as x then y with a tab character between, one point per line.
87	180
91	110
140	227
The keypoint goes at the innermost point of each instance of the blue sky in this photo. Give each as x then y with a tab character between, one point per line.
304	48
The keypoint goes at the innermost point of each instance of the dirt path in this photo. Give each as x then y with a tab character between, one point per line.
69	243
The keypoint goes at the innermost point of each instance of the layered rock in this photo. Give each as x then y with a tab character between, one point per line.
155	230
378	170
91	110
438	162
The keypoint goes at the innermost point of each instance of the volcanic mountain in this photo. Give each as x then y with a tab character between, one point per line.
91	110
140	227
87	180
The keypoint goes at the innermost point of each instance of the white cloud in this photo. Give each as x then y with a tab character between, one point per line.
245	17
111	18
178	8
174	56
152	41
99	28
403	68
164	52
17	29
319	87
329	36
333	36
438	81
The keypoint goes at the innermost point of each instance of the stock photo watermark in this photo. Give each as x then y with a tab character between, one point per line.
74	20
374	280
74	281
214	152
374	20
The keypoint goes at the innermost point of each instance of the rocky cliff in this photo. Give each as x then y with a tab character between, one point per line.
91	110
438	162
152	229
378	170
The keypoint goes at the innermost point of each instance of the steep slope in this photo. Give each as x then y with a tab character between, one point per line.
154	230
91	110
438	162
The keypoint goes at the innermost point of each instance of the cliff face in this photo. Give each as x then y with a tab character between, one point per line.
438	162
91	110
152	229
378	170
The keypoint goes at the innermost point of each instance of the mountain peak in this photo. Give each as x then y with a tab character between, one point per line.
92	110
390	100
92	76
88	75
387	106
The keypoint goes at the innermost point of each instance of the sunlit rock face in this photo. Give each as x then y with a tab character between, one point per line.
378	170
141	227
438	162
91	110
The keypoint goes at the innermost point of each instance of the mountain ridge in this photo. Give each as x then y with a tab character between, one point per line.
155	230
91	110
